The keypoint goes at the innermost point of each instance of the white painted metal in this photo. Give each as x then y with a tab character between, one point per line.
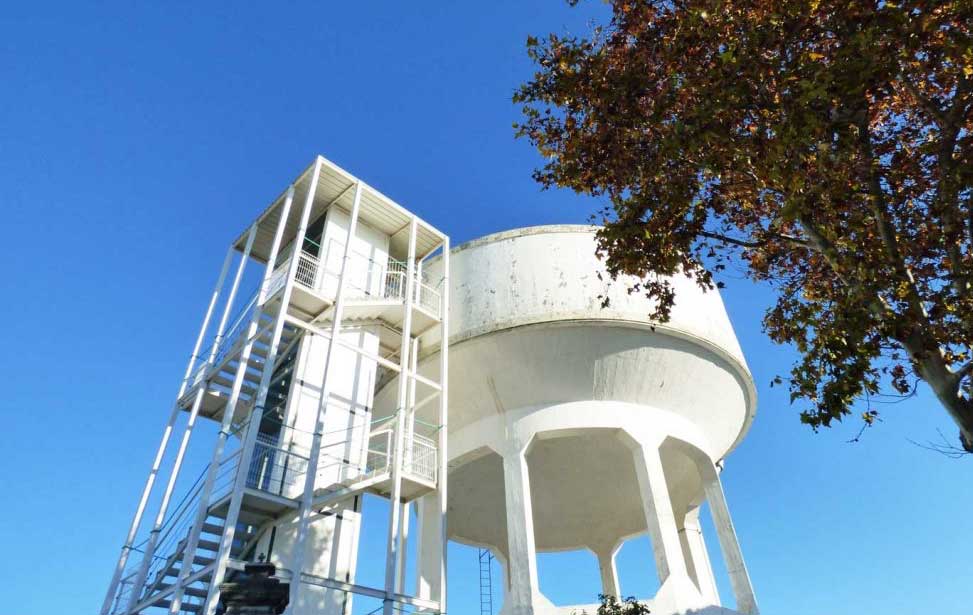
163	444
209	313
395	504
403	545
188	430
318	331
307	496
441	493
412	463
425	605
192	540
256	414
431	560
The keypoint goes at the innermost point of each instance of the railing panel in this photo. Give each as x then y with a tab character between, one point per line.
421	460
428	297
379	452
366	278
307	270
276	470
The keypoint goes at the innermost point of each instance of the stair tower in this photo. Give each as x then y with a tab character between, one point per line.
343	308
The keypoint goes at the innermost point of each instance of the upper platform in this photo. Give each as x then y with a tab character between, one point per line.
370	274
336	188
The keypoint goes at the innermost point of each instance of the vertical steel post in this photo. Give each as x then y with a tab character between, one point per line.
431	577
192	541
408	458
307	496
405	375
441	474
164	443
190	424
256	415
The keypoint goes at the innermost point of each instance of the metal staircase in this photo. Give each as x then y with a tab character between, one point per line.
273	483
275	477
268	464
218	377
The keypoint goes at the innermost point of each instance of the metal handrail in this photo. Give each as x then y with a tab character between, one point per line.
382	280
428	297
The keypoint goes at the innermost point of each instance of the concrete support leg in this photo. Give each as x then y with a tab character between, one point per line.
522	562
429	580
678	593
737	569
608	570
694	550
402	553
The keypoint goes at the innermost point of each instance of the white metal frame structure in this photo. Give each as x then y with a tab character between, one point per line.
254	489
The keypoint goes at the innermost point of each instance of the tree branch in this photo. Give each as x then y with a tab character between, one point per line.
946	191
754	244
964	371
927	103
820	244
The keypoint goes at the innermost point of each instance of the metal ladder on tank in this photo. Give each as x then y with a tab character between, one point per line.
486	582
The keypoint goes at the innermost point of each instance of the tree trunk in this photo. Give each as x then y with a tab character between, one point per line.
945	385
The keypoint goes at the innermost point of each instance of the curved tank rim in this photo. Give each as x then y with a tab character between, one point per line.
634	321
741	369
524	231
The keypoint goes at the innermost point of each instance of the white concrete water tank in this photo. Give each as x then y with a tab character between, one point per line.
577	426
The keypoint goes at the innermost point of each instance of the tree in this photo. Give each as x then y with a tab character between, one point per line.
822	146
610	605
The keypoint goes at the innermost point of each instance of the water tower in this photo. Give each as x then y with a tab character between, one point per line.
568	425
574	426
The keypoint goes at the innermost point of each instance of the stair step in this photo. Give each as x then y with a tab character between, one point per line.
212	528
197	592
253	372
192	608
228	383
199	560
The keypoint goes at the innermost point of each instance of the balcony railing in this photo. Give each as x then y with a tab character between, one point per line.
367	278
276	470
421	457
379	456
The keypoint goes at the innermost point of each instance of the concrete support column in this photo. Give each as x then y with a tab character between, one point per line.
522	553
608	570
735	567
694	550
429	581
677	593
403	546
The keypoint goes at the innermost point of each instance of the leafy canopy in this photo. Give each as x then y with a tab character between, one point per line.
824	146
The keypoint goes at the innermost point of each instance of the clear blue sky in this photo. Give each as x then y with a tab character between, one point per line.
136	139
